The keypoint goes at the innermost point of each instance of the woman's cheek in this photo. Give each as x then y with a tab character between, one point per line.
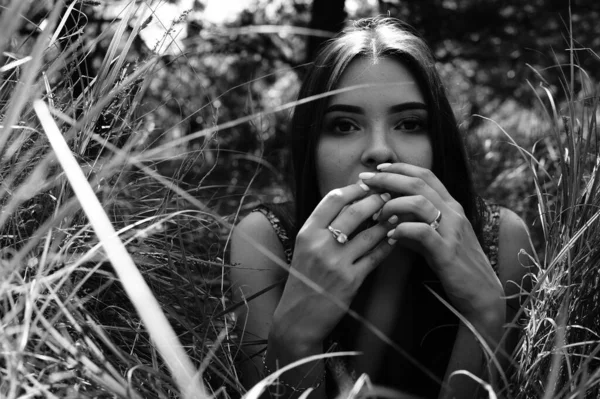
332	166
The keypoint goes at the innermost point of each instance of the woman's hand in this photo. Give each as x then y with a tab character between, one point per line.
451	250
307	312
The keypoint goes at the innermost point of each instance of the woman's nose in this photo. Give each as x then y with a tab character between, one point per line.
377	150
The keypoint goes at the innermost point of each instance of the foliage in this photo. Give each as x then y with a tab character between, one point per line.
495	40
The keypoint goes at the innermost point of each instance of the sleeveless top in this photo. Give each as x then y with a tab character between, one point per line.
339	372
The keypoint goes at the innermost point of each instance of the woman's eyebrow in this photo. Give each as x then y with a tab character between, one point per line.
393	109
345	108
407	106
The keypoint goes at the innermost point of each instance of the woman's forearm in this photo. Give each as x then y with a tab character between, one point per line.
468	354
283	349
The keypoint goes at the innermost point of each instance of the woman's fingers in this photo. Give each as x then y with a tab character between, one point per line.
333	203
373	248
360	211
401	184
413	208
367	239
420	237
418	172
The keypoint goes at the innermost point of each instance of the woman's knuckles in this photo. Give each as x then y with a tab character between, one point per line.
355	212
416	185
424	174
419	202
456	207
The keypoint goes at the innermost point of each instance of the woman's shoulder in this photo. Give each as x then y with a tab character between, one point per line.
270	225
254	248
515	249
505	237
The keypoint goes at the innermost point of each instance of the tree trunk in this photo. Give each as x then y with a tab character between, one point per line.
326	15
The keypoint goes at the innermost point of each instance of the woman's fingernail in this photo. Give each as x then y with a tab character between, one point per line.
376	215
383	166
385	197
366	175
391	241
364	186
393	219
391	232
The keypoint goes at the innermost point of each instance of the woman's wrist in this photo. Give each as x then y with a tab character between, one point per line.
287	331
285	337
489	320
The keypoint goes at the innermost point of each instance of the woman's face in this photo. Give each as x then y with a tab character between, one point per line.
362	128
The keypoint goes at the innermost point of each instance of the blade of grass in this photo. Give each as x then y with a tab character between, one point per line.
15	64
485	385
556	357
111	53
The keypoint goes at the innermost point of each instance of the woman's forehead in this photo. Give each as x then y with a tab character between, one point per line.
384	79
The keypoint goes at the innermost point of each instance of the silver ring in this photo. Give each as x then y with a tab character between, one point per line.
436	222
338	235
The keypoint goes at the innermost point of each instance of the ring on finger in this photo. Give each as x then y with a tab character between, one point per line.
338	235
436	222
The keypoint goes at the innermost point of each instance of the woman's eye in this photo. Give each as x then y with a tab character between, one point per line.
411	125
343	126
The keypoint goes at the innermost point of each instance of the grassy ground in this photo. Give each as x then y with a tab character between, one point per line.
113	267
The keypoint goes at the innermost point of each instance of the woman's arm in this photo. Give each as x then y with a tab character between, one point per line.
499	325
515	269
324	276
253	271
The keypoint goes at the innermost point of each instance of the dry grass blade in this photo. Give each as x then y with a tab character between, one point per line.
485	385
14	64
161	332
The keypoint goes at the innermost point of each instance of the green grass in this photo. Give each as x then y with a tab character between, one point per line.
113	275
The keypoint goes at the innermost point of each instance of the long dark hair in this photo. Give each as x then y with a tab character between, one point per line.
376	38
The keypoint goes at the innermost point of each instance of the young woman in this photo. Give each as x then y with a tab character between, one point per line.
388	225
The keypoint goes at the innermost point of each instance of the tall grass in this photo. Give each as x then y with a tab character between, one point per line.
112	276
103	290
559	356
